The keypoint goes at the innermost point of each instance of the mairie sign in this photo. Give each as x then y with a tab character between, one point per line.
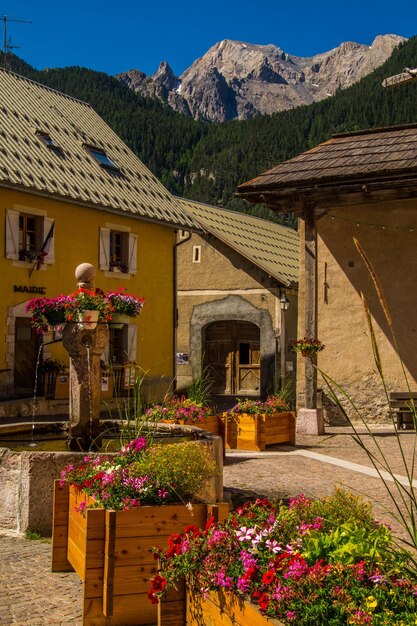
29	289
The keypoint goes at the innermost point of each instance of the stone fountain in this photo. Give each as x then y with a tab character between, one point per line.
85	348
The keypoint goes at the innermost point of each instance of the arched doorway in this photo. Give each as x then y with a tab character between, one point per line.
232	350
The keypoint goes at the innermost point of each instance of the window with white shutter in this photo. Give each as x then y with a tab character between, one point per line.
29	237
118	251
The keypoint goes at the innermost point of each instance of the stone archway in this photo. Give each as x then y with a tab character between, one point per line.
234	308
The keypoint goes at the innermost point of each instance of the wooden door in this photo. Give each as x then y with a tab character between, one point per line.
27	344
248	360
232	350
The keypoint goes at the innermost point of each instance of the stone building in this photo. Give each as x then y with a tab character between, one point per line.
230	282
359	186
71	191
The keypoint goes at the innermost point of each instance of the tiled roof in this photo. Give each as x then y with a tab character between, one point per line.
368	154
270	246
71	172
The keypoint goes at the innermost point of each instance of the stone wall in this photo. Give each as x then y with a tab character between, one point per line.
385	232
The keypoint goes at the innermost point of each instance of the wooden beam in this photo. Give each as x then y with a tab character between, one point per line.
310	250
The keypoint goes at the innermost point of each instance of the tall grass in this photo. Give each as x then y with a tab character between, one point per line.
402	493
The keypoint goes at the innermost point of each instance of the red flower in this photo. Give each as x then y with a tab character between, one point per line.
152	597
268	577
263	602
194	530
210	522
174	540
158	583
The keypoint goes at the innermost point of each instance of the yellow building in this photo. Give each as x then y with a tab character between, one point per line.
72	192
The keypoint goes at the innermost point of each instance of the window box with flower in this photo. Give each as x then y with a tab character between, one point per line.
253	424
108	513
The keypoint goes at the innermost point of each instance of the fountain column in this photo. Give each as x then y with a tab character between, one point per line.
85	347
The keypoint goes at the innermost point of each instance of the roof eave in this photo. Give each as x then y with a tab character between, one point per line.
99	207
282	198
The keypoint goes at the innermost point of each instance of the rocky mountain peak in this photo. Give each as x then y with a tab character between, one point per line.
237	80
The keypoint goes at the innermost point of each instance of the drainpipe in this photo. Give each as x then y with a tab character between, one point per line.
175	312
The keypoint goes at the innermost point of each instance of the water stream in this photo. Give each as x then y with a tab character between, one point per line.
90	396
33	443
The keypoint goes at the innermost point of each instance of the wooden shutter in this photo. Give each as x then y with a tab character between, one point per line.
133	253
50	246
12	234
132	333
104	261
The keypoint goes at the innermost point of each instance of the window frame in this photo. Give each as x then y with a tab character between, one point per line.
196	254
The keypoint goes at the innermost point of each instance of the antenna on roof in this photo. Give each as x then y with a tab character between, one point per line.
7	43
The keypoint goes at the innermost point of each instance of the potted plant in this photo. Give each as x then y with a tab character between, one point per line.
307	346
109	511
253	424
124	305
309	562
47	312
88	307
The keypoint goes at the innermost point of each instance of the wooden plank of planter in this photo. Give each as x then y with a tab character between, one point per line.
150	521
109	557
223	609
172	609
127	611
60	561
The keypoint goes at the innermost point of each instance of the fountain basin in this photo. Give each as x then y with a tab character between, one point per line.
27	477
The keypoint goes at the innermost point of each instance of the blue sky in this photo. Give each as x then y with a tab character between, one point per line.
117	36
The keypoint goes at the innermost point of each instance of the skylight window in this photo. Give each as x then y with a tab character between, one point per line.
101	157
48	141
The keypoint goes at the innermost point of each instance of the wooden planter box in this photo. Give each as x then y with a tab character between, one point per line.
247	431
211	423
218	608
109	550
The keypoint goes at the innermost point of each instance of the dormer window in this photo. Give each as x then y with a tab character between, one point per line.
101	157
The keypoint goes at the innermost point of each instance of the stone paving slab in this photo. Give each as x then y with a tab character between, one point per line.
31	595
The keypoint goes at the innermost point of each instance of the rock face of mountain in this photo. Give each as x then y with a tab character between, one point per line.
236	80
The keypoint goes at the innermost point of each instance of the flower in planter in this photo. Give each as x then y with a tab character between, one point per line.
273	404
124	303
47	312
178	409
307	345
114	264
310	562
88	300
139	475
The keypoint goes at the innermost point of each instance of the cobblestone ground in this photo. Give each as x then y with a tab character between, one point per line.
30	595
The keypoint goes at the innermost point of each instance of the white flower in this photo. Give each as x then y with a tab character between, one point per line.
245	534
273	546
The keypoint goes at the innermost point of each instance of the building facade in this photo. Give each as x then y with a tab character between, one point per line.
355	196
72	192
231	279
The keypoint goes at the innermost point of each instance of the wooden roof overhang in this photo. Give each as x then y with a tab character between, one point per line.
330	193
